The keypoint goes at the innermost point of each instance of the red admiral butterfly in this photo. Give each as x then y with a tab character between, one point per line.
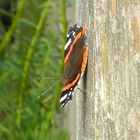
75	60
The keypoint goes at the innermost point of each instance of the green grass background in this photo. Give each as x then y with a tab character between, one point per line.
32	47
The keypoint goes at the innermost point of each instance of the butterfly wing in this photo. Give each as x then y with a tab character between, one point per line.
72	33
75	62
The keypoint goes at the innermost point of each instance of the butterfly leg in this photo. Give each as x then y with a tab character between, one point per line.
83	91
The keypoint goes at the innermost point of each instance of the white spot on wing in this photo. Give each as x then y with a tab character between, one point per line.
77	26
66	104
73	33
67	44
62	104
63	98
68	35
69	93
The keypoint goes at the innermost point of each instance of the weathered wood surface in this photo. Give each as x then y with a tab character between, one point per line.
110	109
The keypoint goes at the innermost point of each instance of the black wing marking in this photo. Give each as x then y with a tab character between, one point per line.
66	96
72	32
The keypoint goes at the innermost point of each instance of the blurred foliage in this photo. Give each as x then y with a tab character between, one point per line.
32	36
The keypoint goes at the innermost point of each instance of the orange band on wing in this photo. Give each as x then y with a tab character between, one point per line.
71	47
84	29
68	86
85	55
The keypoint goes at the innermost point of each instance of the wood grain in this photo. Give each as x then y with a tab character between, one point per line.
110	109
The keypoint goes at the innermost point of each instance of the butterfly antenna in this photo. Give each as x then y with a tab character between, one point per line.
46	78
49	88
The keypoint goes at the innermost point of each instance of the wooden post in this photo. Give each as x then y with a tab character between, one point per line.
110	109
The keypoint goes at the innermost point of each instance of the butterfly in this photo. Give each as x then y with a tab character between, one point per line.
75	61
